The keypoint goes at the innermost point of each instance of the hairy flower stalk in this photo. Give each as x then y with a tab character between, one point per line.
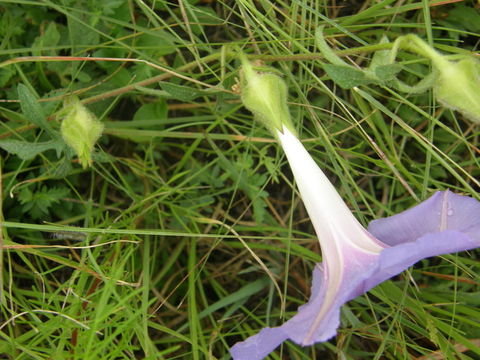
456	83
354	259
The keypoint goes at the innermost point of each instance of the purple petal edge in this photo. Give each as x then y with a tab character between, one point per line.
444	210
260	345
444	223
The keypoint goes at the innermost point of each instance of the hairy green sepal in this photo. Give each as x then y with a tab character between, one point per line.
265	93
80	130
455	82
458	87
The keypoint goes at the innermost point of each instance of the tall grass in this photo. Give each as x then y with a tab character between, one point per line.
156	251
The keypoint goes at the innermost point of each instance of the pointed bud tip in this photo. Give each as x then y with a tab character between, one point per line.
264	93
457	86
80	130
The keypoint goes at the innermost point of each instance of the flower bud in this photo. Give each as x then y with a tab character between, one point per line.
81	130
458	86
264	93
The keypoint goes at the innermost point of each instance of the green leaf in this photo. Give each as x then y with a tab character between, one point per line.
245	177
326	50
347	77
32	109
49	38
62	168
381	69
6	74
81	27
465	17
200	16
154	112
381	57
181	92
26	150
157	43
153	92
387	72
38	203
109	6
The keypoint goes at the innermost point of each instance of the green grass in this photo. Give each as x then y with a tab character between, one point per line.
148	254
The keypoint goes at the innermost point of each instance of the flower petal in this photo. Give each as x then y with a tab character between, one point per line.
317	320
260	345
444	210
444	223
354	259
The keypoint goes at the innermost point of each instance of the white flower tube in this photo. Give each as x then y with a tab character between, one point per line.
354	260
343	240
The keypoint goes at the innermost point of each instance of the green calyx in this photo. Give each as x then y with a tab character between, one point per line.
264	93
457	87
455	82
80	130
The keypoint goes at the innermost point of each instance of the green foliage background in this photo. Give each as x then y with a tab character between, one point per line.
144	255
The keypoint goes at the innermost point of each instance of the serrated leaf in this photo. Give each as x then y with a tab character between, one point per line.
82	30
32	109
38	203
347	77
26	150
246	179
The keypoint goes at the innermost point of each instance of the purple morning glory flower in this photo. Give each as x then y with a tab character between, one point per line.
355	260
